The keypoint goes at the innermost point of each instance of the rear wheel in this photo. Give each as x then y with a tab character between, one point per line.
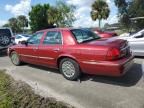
70	69
15	58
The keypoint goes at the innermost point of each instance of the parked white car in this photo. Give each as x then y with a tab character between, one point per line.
141	32
136	42
125	35
21	37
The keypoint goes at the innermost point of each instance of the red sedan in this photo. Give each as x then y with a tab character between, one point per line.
74	51
104	34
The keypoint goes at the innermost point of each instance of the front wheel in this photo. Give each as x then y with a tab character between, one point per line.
15	58
70	69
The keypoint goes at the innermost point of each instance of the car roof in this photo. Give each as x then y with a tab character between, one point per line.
51	29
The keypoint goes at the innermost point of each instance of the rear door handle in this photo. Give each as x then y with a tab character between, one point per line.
56	49
35	48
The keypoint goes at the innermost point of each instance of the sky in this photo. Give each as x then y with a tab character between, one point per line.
13	8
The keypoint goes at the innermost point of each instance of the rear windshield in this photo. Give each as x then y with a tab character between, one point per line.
5	32
84	35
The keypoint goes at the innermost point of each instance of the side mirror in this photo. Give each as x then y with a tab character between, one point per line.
24	43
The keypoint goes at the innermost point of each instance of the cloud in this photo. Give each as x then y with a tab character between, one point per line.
2	22
83	9
22	8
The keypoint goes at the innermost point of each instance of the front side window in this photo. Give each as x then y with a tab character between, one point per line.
53	37
35	39
84	35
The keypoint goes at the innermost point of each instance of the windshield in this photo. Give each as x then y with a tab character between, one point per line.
5	32
84	35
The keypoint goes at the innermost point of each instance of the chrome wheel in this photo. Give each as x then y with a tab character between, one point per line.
68	69
15	59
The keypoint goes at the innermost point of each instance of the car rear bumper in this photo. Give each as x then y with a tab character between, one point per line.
108	68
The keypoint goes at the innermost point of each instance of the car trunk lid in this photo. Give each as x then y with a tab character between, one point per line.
113	44
110	42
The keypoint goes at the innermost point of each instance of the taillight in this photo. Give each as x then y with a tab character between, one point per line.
113	54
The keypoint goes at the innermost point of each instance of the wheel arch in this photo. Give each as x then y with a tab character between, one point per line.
12	50
65	56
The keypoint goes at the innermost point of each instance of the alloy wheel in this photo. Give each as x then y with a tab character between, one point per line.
68	69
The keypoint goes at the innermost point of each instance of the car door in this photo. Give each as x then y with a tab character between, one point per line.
29	52
137	45
50	48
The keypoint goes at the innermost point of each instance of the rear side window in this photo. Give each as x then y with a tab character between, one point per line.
53	37
84	35
6	32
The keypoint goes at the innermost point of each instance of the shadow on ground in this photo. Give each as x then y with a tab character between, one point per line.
140	57
3	53
131	78
44	68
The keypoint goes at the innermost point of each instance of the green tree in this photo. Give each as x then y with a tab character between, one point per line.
123	14
130	9
17	24
13	23
62	14
53	16
38	17
22	22
100	10
6	25
121	3
136	9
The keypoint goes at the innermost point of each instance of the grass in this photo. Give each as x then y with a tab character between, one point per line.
14	94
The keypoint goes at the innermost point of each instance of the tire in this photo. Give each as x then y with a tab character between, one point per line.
15	58
69	69
5	40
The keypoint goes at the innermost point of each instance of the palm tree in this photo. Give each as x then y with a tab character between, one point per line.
53	16
100	10
120	3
